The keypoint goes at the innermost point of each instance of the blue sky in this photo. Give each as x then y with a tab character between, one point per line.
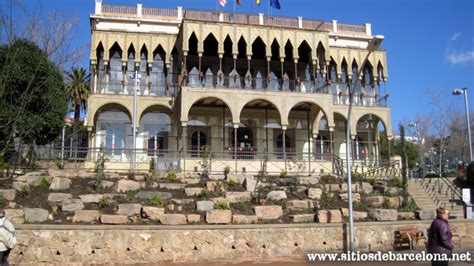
429	43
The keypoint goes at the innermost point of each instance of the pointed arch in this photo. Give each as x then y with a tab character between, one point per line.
289	56
193	44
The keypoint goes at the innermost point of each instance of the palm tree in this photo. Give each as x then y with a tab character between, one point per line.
77	88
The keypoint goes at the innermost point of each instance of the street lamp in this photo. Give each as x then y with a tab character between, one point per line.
372	46
459	92
421	165
136	77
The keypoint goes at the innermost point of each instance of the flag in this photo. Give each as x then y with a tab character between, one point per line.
275	4
238	2
222	2
258	2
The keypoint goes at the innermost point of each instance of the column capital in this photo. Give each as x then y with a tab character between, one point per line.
284	127
184	123
236	125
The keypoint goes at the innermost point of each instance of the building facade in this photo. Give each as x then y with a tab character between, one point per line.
237	89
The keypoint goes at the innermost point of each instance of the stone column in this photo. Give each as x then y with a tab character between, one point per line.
236	127
283	130
200	58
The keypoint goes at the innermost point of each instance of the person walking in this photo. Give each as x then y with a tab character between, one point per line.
440	237
7	238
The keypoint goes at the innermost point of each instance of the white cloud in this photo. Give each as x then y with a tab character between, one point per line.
460	57
455	36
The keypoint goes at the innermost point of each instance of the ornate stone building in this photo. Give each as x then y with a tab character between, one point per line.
238	89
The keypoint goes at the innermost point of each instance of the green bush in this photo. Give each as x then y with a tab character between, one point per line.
327	179
221	205
3	201
324	201
43	182
103	202
357	177
231	183
226	171
386	204
23	193
156	200
409	206
395	182
470	174
170	177
284	174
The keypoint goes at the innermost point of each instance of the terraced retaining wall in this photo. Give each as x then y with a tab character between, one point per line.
61	244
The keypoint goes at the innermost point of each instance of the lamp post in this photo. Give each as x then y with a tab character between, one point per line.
136	77
464	91
421	165
373	45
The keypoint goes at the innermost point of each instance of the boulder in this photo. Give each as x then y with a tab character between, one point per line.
235	197
344	187
113	219
358	215
16	216
192	181
426	214
35	215
172	186
59	197
302	218
395	201
33	179
322	216
276	195
60	173
91	198
268	212
21	186
250	183
308	180
150	194
153	213
193	191
215	186
216	177
125	185
182	201
244	219
238	178
315	193
392	190
333	187
366	188
297	205
60	183
406	216
106	184
345	196
72	205
204	205
218	216
375	201
8	194
86	216
173	219
383	214
334	216
193	218
129	209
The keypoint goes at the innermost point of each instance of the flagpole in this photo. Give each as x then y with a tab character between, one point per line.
268	10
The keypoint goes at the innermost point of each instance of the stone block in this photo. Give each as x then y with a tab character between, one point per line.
106	184
395	201
375	201
218	216
72	205
35	215
308	180
235	197
173	219
426	214
153	213
59	197
91	198
302	218
244	219
193	218
345	196
8	194
250	183
125	185
172	186
334	216
86	216
297	205
238	178
113	219
383	214
216	177
366	188
322	216
344	187
204	205
129	209
21	186
150	194
16	216
193	191
276	195
315	193
60	183
406	216
214	186
268	212
192	181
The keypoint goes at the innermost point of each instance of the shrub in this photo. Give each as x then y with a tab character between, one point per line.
231	183
325	200
3	201
156	200
357	177
395	182
103	202
100	161
326	179
170	177
221	205
23	192
43	182
284	174
470	174
386	204
226	171
408	206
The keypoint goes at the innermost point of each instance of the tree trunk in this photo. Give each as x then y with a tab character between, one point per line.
75	129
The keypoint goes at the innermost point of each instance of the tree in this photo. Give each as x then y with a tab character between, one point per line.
33	102
77	88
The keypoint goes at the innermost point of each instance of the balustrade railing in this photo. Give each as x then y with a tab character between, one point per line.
151	89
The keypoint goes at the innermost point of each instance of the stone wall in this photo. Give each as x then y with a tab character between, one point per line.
150	244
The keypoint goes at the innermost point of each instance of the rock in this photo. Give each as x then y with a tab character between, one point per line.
86	216
35	215
406	216
383	214
302	218
297	205
203	206
268	212
301	189
392	191
130	209
60	173
153	213
322	216
250	183
21	186
315	193
16	216
238	178
366	188
345	196
173	219
334	216
113	219
182	201
125	185
218	216
344	187
308	180
33	179
193	218
8	194
60	183
235	197
395	201
216	177
276	195
244	219
333	187
220	200
215	186
426	214
91	198
106	184
150	194
59	197
72	205
192	181
172	186
193	191
375	201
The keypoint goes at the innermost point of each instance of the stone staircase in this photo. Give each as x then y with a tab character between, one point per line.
430	194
